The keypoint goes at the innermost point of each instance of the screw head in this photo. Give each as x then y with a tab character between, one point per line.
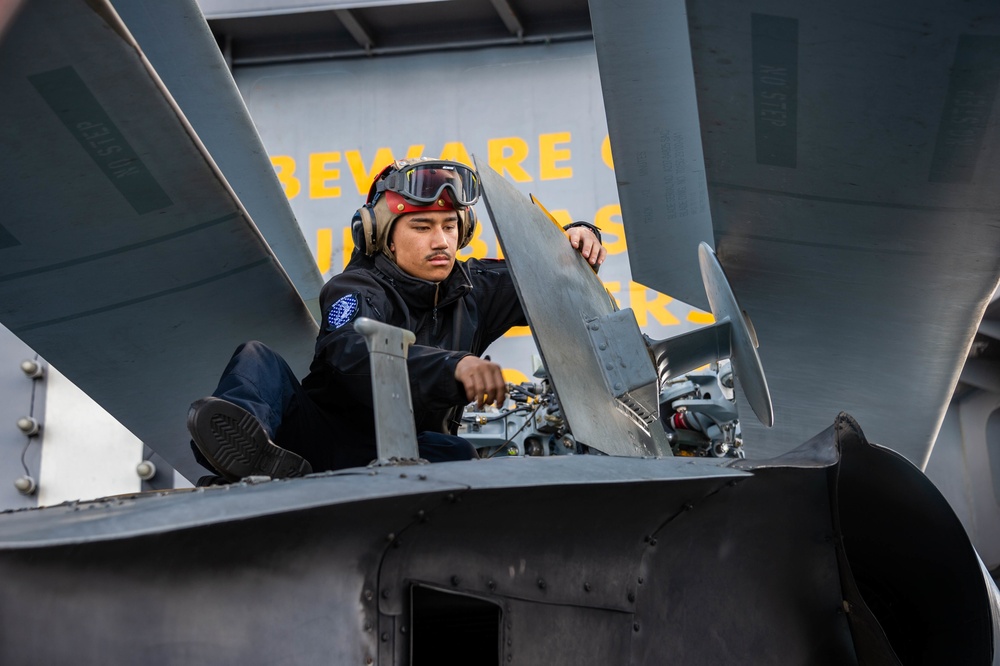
25	485
28	425
146	470
32	369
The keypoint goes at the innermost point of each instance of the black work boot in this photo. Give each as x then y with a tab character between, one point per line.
236	444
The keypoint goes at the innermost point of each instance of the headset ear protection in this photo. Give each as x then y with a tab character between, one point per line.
468	227
365	225
365	228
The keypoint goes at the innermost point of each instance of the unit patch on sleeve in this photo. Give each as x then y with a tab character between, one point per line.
342	312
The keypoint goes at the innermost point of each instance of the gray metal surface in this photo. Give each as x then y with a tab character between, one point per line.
746	362
852	155
696	563
131	265
266	31
395	432
888	530
20	396
628	374
562	298
644	56
233	8
176	40
689	351
134	516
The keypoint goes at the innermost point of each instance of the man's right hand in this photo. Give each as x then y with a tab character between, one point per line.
483	381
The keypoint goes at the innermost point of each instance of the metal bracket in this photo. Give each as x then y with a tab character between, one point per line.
395	432
626	363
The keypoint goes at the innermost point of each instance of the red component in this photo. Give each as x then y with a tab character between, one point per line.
679	422
398	205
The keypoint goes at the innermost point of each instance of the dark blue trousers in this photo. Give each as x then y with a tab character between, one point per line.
260	381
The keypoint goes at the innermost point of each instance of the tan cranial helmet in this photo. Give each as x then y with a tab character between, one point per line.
409	186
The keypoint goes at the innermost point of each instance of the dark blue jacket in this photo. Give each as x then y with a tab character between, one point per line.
462	315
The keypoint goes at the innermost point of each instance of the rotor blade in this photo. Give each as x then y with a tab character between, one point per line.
644	56
853	154
177	41
126	260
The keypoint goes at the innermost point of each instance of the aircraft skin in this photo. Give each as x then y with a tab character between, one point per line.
837	551
842	159
575	559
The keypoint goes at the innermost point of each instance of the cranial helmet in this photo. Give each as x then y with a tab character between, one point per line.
409	186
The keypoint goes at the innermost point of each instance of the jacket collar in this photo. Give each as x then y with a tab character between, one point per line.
421	293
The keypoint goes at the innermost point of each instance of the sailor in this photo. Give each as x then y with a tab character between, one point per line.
419	213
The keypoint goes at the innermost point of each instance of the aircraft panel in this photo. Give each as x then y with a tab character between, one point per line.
216	9
177	41
851	154
133	268
644	57
566	328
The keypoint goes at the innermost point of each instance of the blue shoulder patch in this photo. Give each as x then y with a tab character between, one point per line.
342	312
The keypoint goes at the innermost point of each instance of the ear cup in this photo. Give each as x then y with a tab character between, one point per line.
363	230
468	228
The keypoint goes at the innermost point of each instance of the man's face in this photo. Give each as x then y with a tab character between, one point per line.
424	243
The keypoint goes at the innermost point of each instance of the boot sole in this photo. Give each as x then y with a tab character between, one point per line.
237	446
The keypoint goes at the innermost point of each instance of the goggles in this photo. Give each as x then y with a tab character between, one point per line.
424	182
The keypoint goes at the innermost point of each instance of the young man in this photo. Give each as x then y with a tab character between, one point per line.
261	421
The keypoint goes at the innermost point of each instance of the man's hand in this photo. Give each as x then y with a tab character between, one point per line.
483	381
586	243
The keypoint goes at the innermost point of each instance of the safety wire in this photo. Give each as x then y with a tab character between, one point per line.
31	413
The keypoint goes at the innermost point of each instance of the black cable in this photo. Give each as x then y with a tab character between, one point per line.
516	433
488	419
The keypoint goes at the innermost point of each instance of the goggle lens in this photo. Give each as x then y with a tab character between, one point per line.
425	182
